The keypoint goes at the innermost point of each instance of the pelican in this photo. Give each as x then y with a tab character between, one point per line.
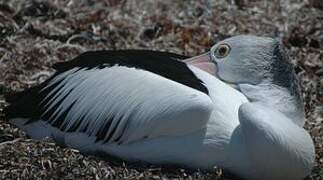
237	106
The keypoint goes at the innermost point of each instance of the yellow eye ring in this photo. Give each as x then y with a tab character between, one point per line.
222	51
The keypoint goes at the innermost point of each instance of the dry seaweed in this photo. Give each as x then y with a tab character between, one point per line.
36	34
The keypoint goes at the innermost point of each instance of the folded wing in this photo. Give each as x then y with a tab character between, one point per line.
118	103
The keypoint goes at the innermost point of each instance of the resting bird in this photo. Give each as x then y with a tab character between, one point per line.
237	107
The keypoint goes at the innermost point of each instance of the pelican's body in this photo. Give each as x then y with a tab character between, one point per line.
204	147
163	111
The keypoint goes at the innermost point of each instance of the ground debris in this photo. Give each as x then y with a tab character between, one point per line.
36	34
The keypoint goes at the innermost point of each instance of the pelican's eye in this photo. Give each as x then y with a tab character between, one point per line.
222	51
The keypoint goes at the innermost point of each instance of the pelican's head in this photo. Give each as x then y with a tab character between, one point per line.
250	60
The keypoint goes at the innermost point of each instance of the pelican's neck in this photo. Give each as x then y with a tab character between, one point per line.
284	99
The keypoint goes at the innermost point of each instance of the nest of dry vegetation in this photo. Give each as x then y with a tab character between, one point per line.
36	34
